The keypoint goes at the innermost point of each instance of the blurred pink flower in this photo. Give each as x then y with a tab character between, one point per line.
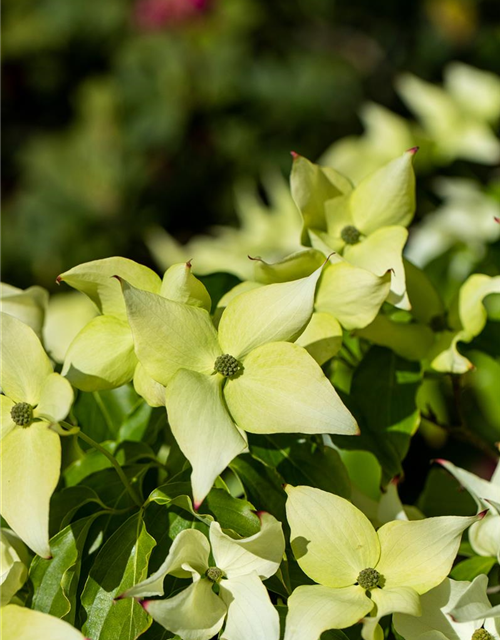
151	15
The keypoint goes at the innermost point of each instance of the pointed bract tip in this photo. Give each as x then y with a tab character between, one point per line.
144	603
120	597
481	515
328	257
259	514
440	461
256	259
294	155
496	219
58	279
413	150
189	263
396	480
197	505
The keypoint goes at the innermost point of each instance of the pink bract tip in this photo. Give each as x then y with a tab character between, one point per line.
294	155
440	461
413	150
197	505
189	263
144	603
496	219
481	515
58	280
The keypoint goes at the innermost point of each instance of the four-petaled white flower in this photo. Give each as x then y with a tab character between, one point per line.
361	571
240	564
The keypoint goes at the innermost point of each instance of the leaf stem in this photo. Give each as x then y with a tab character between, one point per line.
130	489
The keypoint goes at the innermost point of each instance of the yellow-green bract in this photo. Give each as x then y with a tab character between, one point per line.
14	561
35	400
451	611
25	624
279	387
367	223
102	355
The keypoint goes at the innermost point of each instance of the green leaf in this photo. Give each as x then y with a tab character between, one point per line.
441	496
218	284
65	504
135	425
383	395
93	461
121	563
301	461
262	485
232	513
109	487
101	413
55	581
178	494
473	567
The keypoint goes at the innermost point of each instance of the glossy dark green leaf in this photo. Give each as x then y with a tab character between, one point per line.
232	513
302	461
383	397
218	284
92	461
55	581
263	485
121	563
66	503
443	496
101	413
472	567
178	494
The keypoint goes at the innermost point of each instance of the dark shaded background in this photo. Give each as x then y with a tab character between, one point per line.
120	114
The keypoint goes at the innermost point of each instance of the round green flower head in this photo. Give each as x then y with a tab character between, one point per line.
227	365
481	634
214	574
22	414
369	578
350	235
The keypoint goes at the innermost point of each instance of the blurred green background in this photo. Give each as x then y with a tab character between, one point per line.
120	115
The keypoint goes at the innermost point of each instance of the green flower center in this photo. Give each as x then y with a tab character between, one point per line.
368	578
481	634
214	574
22	414
227	365
350	235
